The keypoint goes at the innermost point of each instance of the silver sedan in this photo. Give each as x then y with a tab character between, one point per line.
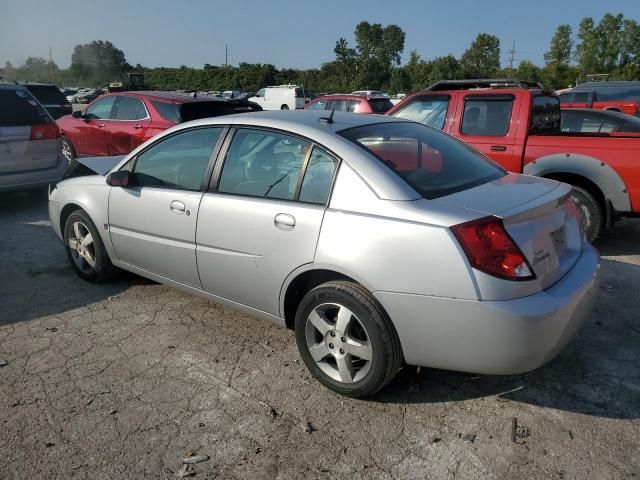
379	241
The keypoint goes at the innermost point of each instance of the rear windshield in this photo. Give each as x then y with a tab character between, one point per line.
47	94
18	109
178	113
380	105
431	162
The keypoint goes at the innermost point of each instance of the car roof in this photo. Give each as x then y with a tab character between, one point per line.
350	96
174	97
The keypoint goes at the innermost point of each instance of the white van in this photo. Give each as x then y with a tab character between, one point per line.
282	97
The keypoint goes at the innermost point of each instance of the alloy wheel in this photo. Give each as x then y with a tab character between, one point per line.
82	247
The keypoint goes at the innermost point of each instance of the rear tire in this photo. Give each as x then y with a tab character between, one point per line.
284	107
86	252
591	212
68	151
346	339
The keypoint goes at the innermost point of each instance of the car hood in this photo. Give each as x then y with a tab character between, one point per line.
101	165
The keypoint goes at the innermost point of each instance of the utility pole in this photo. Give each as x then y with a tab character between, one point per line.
50	64
512	54
226	64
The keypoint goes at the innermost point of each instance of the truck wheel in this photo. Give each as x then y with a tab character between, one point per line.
67	150
284	107
590	212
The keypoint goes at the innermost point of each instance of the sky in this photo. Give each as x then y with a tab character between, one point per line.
285	33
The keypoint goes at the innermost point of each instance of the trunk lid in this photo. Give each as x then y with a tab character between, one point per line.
536	215
19	153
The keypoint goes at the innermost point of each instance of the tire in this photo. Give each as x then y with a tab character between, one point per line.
68	151
327	309
92	263
284	107
590	212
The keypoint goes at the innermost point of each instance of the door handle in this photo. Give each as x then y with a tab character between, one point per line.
498	148
284	220
101	125
177	206
137	126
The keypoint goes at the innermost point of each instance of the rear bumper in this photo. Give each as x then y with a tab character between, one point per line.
495	337
34	178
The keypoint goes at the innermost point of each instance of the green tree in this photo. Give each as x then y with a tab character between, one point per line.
443	68
527	70
98	62
345	62
630	50
609	40
587	49
482	58
561	47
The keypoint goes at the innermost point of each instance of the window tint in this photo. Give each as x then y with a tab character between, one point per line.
380	105
581	97
318	105
18	108
431	111
263	164
48	94
101	108
317	177
168	111
431	162
486	116
129	108
179	161
545	115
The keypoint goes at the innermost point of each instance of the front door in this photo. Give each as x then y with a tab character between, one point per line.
264	219
153	222
92	136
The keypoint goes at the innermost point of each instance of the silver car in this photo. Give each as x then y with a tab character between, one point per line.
379	241
30	142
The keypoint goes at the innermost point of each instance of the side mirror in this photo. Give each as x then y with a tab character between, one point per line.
121	178
77	114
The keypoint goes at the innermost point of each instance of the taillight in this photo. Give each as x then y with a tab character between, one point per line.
491	249
44	131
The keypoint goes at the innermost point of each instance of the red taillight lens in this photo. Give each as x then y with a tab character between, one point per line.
44	131
491	249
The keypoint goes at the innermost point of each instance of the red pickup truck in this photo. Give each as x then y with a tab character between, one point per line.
517	124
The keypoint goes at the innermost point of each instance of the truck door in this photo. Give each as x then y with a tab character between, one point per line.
489	124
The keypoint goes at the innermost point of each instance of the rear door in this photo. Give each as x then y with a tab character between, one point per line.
128	127
28	136
489	123
152	222
263	219
91	136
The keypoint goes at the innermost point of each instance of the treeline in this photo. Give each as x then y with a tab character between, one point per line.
610	46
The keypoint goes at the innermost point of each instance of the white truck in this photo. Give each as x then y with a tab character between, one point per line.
281	97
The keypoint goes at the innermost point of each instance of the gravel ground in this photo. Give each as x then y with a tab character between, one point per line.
126	379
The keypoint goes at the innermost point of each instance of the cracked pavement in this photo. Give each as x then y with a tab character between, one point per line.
126	379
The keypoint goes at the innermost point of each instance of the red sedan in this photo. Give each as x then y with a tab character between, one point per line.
117	123
351	103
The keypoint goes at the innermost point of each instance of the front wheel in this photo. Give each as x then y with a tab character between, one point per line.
85	249
346	339
591	212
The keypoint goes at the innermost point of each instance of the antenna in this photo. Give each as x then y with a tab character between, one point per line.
329	119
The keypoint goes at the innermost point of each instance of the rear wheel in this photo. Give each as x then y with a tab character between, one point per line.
67	150
85	249
346	339
591	212
284	107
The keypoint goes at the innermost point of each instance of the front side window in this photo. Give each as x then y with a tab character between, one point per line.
318	105
318	176
101	109
432	163
261	163
129	108
430	110
260	93
486	116
179	161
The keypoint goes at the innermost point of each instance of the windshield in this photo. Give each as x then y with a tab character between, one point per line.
380	105
431	110
433	163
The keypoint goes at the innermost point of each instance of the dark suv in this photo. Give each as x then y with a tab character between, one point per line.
51	98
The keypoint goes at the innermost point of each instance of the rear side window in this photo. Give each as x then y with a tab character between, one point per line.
486	116
18	109
339	105
431	110
318	105
169	111
432	163
380	105
545	115
129	108
318	176
354	106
